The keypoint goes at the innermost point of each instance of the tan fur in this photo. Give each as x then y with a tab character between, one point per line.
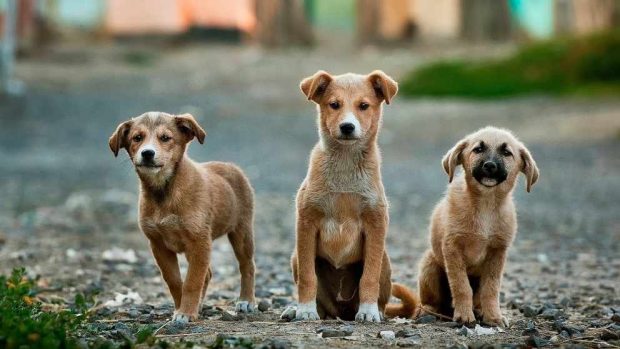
185	205
342	212
471	230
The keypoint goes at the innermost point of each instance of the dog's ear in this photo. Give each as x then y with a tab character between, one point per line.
314	86
385	87
119	140
529	168
188	125
453	158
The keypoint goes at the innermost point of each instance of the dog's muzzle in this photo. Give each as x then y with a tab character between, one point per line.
490	172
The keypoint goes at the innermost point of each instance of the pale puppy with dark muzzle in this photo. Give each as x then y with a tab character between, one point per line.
184	205
473	226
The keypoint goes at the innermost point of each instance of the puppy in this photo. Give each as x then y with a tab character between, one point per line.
340	264
473	226
185	205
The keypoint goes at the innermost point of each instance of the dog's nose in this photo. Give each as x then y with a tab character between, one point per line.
148	154
347	128
490	167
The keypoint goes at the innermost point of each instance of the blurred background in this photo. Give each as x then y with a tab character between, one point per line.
72	70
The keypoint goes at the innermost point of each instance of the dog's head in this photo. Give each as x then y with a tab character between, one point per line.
491	158
156	142
349	105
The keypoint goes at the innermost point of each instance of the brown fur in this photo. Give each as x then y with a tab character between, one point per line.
471	230
185	205
342	212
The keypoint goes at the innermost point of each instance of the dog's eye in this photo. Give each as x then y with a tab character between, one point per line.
164	138
478	150
506	152
137	138
334	105
364	106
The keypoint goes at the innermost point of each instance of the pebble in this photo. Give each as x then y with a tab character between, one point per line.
448	324
530	310
550	314
226	316
277	344
608	335
264	305
328	332
426	319
615	318
408	342
407	333
464	331
388	335
536	342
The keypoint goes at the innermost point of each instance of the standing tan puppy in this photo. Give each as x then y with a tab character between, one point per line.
185	205
473	226
340	264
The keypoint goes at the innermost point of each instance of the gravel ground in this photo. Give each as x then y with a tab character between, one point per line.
68	211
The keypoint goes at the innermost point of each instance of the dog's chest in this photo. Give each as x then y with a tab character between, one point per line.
340	235
168	229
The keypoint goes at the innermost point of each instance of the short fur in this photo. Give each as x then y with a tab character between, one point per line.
185	205
472	228
340	264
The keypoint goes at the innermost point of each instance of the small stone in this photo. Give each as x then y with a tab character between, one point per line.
226	316
426	319
342	331
388	335
406	333
464	331
449	324
550	314
615	318
530	310
536	342
608	335
530	332
408	342
289	314
264	305
277	344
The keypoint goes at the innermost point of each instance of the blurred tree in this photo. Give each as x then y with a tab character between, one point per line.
485	20
282	22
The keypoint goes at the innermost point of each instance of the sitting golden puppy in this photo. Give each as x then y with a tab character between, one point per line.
473	226
185	205
340	264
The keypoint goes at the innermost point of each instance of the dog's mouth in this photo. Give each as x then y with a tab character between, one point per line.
149	166
347	139
488	182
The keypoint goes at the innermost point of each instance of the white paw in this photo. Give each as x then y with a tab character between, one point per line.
182	318
368	312
307	311
244	307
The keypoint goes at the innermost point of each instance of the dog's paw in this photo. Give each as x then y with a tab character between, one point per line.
368	312
181	318
244	307
464	316
307	311
499	321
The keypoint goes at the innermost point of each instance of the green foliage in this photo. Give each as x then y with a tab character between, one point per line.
225	341
22	322
585	65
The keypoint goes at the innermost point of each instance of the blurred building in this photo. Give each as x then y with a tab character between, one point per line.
282	22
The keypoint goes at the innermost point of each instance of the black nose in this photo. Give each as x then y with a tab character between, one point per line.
347	128
490	167
148	154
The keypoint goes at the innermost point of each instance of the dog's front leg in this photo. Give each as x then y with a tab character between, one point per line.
198	260
169	267
462	294
490	285
306	256
375	228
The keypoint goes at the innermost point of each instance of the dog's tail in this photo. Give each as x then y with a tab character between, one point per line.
410	302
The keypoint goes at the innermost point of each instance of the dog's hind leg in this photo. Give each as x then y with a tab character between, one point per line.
432	285
242	241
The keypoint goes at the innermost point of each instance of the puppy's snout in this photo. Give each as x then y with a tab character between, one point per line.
489	167
347	128
148	154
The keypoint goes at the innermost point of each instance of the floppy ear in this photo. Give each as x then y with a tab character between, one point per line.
118	140
453	158
314	86
529	168
385	87
188	125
